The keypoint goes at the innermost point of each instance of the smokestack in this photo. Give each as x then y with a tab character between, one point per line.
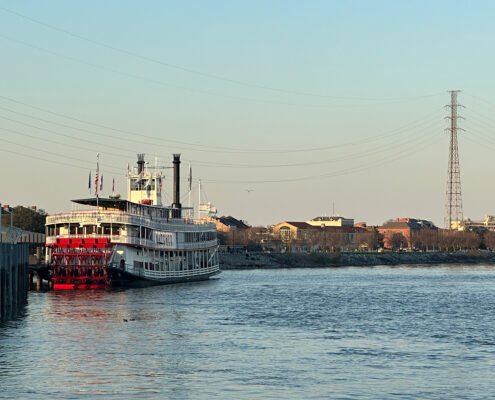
176	205
140	163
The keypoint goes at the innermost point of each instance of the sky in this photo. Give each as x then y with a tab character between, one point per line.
286	110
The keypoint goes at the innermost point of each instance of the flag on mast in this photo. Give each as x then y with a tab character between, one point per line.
190	177
97	172
101	183
148	186
113	186
89	182
139	179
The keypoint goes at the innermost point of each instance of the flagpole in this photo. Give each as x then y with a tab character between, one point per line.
199	199
190	185
96	181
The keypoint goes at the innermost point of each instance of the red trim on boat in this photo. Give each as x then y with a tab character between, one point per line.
73	286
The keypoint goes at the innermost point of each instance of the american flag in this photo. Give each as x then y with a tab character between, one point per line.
96	183
97	172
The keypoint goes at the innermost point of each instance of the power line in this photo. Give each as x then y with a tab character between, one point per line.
375	150
58	133
198	72
45	139
43	159
168	84
25	146
369	152
397	156
210	148
364	167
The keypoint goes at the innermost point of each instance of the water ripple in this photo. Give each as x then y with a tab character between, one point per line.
353	333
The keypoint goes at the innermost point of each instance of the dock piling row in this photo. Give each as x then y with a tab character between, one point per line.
13	279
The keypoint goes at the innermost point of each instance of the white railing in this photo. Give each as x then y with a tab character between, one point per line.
130	240
109	217
112	238
180	274
197	245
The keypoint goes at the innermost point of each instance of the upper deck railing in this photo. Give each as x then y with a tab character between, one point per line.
119	217
135	241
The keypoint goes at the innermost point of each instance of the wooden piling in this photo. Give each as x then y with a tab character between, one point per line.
30	280
13	279
39	282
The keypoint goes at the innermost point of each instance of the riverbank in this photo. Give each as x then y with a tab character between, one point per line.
314	260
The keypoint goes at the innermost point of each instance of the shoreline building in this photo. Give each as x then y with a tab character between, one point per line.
400	231
228	224
302	236
331	221
487	223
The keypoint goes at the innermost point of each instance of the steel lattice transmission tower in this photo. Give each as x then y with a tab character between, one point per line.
453	205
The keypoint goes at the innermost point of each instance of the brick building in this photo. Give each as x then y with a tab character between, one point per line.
397	233
302	236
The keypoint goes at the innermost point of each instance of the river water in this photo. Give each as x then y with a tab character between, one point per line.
410	332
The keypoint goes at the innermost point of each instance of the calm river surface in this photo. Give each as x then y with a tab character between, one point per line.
351	333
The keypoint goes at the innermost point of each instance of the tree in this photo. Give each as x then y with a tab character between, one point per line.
370	239
489	240
27	219
425	239
480	232
398	241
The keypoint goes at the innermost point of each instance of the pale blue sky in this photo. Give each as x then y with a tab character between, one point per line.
233	76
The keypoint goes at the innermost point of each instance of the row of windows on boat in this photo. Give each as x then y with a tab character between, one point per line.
178	262
126	230
145	210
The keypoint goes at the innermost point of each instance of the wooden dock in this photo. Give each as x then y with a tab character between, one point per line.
13	279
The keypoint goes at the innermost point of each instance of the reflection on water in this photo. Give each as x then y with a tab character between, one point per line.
398	332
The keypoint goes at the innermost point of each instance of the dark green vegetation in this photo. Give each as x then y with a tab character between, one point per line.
27	219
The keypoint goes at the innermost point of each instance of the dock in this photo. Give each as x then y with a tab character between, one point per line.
13	279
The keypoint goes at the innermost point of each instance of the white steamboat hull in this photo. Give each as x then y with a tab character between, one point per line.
120	278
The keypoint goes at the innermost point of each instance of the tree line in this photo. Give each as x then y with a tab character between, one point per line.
26	218
425	239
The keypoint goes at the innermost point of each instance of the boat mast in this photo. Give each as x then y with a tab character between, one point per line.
190	186
199	199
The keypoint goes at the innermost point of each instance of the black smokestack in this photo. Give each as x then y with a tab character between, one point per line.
140	163
176	205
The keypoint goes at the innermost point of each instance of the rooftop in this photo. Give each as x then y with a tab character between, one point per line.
325	218
231	221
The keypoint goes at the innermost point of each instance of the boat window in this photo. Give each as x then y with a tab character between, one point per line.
73	229
132	231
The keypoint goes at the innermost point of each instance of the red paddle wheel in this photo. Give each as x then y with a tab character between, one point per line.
80	263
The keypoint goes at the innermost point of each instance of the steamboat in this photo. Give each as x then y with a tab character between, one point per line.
106	242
